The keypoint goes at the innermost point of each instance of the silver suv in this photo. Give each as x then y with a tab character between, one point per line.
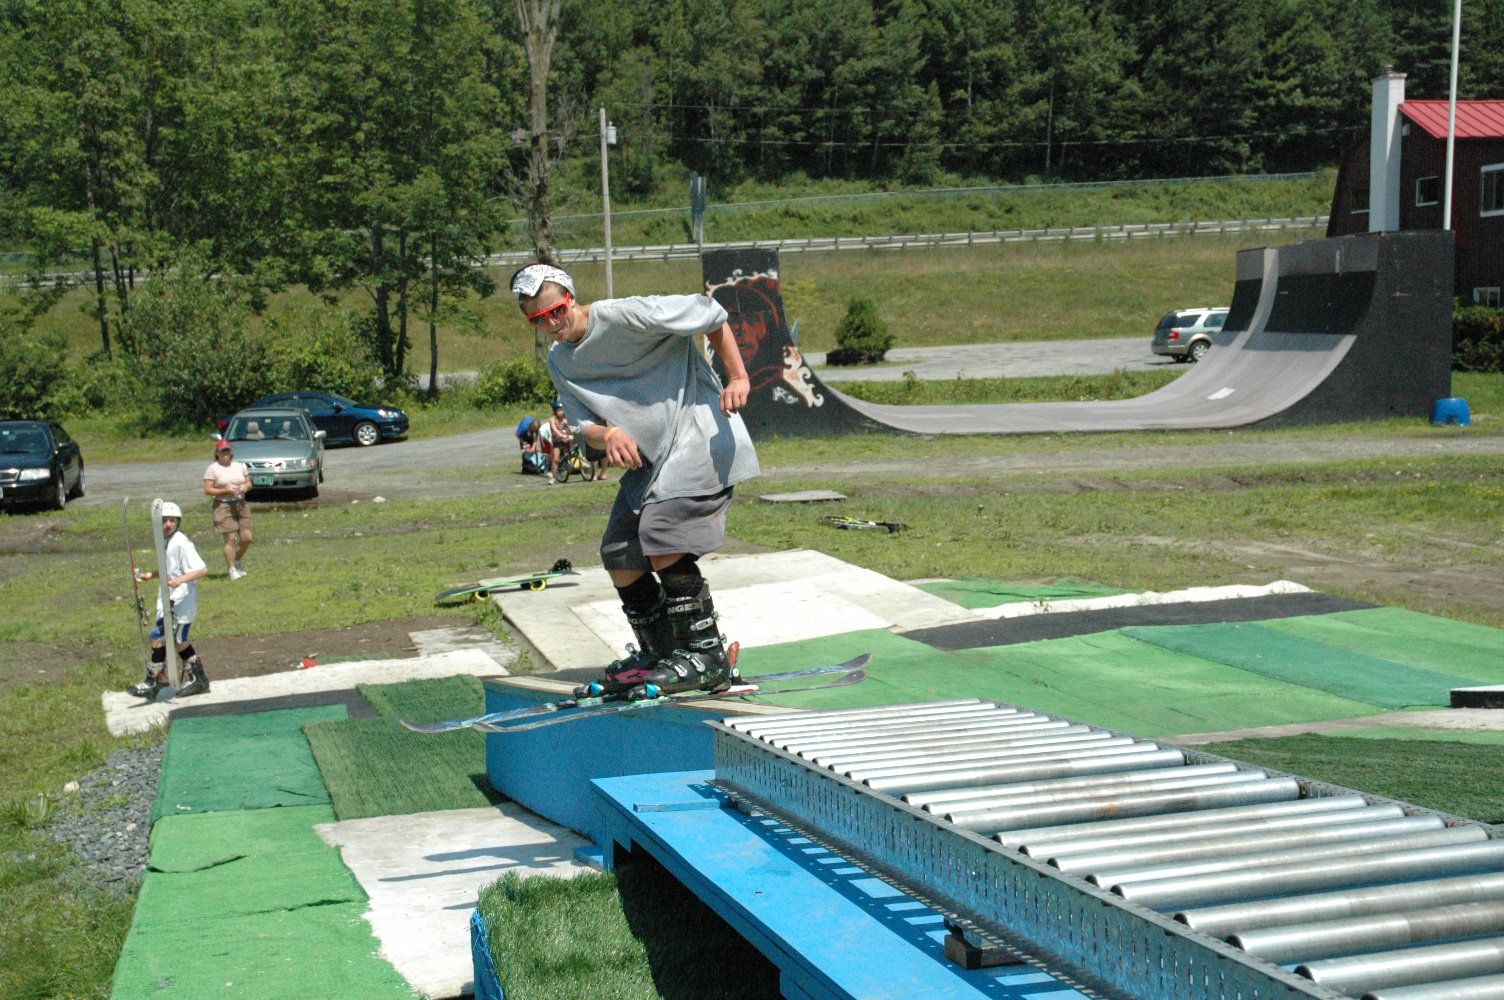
1186	334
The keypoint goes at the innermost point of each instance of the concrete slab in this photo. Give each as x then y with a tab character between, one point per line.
762	599
803	496
424	873
445	640
1450	719
124	714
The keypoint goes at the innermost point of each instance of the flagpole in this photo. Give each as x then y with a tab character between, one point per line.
1446	201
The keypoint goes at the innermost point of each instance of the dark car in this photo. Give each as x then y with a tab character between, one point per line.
39	464
339	418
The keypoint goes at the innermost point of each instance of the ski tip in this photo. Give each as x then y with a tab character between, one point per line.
859	661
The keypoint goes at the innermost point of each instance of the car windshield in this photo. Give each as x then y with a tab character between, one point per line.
23	441
340	400
266	428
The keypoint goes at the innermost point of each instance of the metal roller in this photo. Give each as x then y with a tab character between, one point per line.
1222	887
962	743
1375	932
1220	921
1474	988
1028	840
971	797
1221	844
816	720
1003	751
927	778
912	719
1193	831
990	816
1144	803
927	741
1356	845
1131	759
1408	966
877	731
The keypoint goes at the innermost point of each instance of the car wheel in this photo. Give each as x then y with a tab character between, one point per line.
78	487
1199	349
366	434
60	493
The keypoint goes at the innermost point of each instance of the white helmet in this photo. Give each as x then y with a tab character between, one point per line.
170	509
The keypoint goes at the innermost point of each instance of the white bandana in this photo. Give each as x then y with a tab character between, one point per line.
531	278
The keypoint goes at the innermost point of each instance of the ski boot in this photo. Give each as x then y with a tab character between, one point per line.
699	661
656	638
149	688
197	682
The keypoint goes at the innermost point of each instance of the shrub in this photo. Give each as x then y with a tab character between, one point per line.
320	348
1478	339
32	371
100	384
862	337
509	383
193	355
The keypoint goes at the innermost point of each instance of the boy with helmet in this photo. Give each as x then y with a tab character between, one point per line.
630	374
184	569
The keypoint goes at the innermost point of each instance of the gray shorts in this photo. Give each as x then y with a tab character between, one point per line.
688	525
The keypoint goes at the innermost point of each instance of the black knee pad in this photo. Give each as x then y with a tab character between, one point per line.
187	652
159	654
682	578
641	595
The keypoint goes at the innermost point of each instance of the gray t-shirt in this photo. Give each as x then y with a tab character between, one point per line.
639	367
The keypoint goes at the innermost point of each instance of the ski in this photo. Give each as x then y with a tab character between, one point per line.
550	707
614	707
136	577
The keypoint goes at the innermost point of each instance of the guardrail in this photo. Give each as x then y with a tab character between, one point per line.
827	244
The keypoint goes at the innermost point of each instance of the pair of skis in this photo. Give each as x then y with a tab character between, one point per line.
857	524
521	720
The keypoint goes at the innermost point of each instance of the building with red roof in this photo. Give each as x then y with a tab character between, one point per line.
1397	182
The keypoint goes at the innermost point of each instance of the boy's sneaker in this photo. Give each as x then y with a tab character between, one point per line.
236	574
240	567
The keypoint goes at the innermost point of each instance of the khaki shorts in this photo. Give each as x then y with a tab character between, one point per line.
232	515
689	525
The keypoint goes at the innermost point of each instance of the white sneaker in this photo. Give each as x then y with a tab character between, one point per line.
236	574
240	567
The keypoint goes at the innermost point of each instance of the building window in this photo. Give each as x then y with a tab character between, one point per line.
1487	297
1491	199
1427	191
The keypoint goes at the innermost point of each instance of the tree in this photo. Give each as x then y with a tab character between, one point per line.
539	24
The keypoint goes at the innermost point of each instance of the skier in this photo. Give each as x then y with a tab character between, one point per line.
184	569
632	377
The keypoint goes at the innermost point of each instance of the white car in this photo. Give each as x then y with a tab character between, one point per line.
1187	334
280	449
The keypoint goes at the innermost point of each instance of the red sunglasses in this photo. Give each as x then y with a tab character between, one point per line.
554	313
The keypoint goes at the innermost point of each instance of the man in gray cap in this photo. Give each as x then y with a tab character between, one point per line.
631	375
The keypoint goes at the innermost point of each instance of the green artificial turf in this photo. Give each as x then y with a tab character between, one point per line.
374	767
632	934
1435	774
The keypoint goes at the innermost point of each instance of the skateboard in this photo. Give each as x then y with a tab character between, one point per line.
532	581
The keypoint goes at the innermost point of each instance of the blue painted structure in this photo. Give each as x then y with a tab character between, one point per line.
833	930
549	770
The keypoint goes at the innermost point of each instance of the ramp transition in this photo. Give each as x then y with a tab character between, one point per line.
1323	331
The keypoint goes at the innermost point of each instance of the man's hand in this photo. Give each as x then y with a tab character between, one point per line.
621	449
734	396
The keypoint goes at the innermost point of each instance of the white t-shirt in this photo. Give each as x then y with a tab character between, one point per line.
182	557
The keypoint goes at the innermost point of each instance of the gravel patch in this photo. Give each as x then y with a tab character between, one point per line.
107	820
